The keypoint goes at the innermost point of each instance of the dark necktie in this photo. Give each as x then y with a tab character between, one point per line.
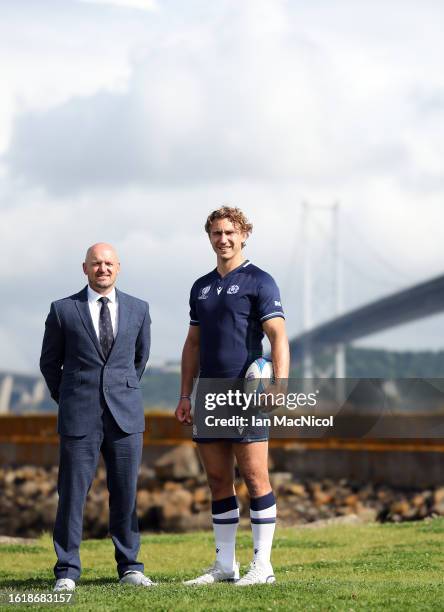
106	336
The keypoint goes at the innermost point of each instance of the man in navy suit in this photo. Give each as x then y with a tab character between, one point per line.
95	349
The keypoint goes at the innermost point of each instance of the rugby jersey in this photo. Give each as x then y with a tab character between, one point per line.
230	312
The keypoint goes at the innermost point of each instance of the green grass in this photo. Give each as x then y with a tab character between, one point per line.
337	567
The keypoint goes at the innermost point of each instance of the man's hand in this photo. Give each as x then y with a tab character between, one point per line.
273	392
183	411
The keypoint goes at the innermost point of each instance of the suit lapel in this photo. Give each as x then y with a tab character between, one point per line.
85	315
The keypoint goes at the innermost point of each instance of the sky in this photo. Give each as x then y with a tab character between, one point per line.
128	121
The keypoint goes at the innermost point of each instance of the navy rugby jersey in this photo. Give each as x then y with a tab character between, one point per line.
230	312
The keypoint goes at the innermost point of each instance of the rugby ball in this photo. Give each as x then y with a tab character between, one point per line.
259	375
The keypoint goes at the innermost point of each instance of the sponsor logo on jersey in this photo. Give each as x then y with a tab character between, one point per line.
233	289
219	289
277	303
204	292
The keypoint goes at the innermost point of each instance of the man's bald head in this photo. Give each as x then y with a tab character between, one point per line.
101	266
98	248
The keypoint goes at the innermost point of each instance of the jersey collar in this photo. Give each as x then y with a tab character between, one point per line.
244	264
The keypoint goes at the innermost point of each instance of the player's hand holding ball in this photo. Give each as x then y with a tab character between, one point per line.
259	379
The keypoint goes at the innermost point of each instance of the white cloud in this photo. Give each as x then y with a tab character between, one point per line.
268	98
71	53
142	5
131	126
163	248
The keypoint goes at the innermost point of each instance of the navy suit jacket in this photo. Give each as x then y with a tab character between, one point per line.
77	374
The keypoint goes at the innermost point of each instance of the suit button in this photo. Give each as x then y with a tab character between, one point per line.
106	389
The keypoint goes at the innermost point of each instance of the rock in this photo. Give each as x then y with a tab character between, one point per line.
147	478
418	500
279	479
384	494
295	489
29	499
201	499
366	514
201	495
179	463
314	486
367	492
192	522
438	496
352	500
176	503
28	518
172	486
400	508
423	511
175	510
48	510
144	502
438	508
9	478
322	497
30	489
351	519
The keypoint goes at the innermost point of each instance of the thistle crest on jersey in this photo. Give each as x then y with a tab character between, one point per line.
233	289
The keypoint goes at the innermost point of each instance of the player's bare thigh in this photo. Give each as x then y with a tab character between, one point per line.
218	461
252	460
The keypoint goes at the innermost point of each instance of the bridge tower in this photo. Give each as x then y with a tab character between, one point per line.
6	387
339	359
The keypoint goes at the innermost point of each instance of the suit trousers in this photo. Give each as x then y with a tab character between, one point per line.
79	456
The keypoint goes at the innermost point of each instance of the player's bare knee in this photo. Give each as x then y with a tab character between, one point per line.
257	484
220	485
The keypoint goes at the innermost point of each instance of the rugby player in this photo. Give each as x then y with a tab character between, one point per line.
230	309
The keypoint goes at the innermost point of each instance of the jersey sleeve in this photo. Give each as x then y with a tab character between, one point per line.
269	303
194	319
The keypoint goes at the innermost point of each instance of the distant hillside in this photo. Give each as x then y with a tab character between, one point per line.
379	363
161	387
374	363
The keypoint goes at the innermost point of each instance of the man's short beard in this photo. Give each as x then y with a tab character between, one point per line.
103	284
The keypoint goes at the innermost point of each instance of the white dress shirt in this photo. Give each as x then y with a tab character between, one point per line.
95	307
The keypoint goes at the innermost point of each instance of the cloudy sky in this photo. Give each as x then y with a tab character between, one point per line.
130	120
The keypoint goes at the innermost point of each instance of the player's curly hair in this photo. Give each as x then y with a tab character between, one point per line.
235	215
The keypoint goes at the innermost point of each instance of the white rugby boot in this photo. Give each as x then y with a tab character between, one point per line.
258	573
213	574
136	578
64	584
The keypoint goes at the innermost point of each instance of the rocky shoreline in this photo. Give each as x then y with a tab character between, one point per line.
173	496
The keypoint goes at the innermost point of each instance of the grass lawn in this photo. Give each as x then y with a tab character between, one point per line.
337	567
